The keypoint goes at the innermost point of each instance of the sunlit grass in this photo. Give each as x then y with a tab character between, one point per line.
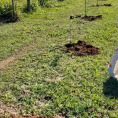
58	81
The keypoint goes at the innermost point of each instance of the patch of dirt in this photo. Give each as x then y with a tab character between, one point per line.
99	115
109	5
5	109
89	109
11	59
115	107
80	22
25	92
91	18
57	79
6	62
27	116
59	115
81	48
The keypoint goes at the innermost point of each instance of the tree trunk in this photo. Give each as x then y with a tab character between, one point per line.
97	2
13	8
85	7
28	5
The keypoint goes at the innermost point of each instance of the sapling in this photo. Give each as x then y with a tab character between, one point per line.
85	7
97	2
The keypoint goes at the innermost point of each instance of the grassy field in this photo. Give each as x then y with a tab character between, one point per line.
47	80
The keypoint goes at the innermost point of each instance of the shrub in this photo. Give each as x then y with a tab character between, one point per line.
42	2
33	6
5	9
47	3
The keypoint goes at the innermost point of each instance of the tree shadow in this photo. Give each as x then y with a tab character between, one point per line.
110	88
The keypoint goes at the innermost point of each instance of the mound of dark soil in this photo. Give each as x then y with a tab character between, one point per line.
107	5
91	18
81	48
101	5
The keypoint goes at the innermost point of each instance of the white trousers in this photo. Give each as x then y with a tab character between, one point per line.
110	71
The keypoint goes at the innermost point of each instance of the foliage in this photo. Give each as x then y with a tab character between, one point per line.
47	3
33	6
6	9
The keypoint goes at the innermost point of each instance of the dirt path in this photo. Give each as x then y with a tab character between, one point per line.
59	115
6	62
5	109
17	54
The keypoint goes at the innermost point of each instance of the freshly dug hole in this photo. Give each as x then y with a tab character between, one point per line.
81	48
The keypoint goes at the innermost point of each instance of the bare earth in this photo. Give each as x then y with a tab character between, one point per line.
11	59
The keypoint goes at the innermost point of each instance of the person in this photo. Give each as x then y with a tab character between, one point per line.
110	70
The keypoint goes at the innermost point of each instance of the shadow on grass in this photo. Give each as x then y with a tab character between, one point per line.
110	88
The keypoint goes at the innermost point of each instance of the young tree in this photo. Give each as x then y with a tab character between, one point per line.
28	5
85	7
97	2
13	7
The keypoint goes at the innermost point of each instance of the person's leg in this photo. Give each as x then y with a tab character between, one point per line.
110	71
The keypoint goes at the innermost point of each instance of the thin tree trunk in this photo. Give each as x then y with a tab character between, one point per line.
13	8
97	2
85	7
28	5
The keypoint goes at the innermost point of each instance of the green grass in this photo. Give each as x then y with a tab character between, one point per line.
58	81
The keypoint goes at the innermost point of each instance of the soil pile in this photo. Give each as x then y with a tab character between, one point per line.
107	5
81	48
102	5
91	18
